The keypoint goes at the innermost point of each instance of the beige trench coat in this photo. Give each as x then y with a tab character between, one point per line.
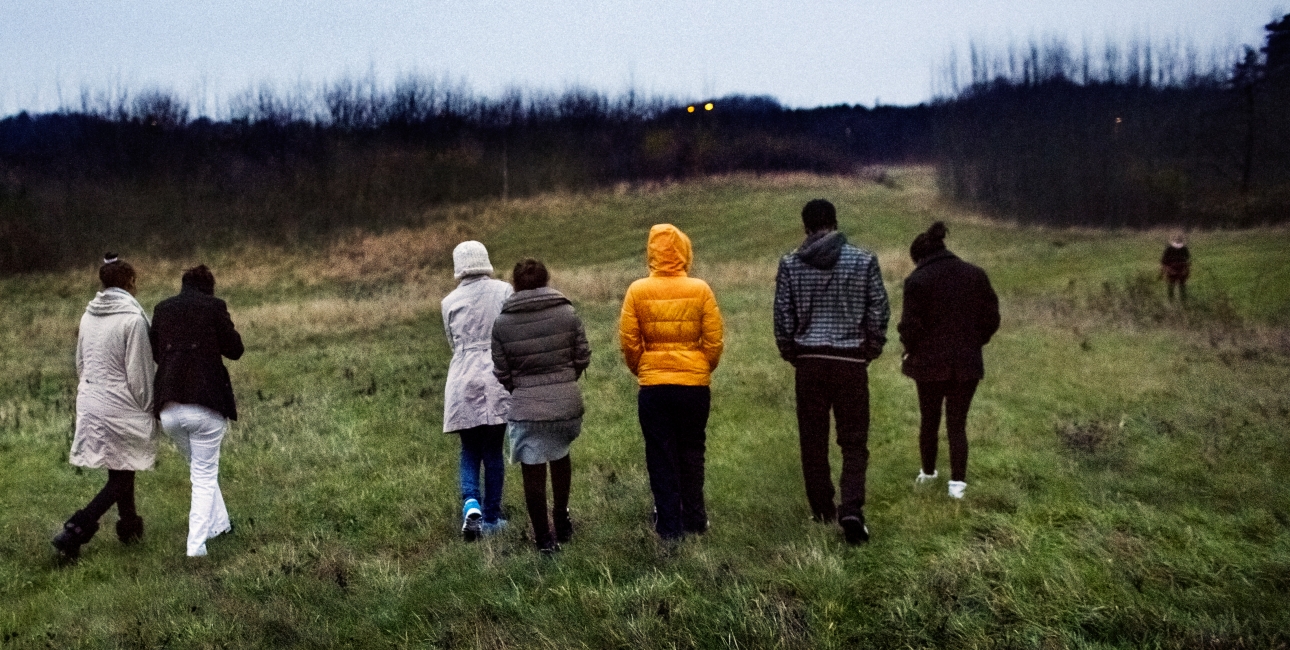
115	427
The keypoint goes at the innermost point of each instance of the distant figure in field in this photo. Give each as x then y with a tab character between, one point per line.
540	351
191	331
950	311
1175	266
831	316
114	424
670	332
474	403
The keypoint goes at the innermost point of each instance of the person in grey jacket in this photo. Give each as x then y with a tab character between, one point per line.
831	314
114	424
539	352
474	403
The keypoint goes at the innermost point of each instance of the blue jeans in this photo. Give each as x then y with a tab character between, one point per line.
483	445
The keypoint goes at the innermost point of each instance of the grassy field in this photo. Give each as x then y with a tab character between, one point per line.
1127	484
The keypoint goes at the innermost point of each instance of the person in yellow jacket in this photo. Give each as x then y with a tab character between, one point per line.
670	332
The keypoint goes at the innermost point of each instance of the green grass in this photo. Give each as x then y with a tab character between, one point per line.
1126	484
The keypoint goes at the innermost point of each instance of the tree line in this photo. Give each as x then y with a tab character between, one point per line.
1137	136
129	173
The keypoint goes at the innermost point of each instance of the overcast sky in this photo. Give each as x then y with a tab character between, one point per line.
803	53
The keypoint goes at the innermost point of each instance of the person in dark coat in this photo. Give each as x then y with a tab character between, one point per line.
539	351
950	312
193	394
1175	266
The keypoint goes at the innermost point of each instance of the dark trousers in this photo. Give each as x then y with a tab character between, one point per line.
535	495
118	491
483	446
842	387
674	421
957	399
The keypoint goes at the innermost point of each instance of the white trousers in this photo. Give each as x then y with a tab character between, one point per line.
197	432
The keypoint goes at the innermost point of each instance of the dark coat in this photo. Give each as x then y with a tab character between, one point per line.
539	351
190	332
950	311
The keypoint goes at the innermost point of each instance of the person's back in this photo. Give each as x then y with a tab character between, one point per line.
191	334
950	311
831	315
830	300
670	332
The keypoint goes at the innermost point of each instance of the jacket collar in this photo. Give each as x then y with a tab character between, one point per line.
943	254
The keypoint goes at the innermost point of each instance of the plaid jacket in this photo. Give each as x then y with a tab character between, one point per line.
840	311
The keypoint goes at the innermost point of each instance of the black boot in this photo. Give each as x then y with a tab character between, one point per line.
76	532
129	529
563	526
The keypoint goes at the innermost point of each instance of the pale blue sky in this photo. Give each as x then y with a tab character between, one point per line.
804	53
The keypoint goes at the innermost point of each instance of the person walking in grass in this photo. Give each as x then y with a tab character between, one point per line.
539	352
831	316
114	424
1175	266
670	331
191	331
474	403
950	311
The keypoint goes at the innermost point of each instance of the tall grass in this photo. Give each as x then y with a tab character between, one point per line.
1125	484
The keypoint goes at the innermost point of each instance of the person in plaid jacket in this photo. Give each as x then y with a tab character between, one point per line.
831	314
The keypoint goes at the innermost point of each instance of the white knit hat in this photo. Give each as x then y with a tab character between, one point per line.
470	258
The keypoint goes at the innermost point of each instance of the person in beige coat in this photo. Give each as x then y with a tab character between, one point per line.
115	428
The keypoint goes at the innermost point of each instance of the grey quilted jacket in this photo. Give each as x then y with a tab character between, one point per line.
539	352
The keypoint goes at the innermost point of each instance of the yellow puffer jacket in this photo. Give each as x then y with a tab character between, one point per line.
670	327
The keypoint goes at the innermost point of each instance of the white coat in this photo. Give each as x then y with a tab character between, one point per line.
114	422
473	397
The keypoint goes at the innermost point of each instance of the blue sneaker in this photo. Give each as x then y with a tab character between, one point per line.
473	519
494	528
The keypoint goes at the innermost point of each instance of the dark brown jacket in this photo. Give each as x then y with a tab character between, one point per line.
190	332
950	311
539	352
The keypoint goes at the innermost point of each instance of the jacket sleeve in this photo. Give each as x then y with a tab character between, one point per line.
80	355
877	313
230	342
140	369
785	314
629	333
988	315
711	330
912	326
501	366
581	349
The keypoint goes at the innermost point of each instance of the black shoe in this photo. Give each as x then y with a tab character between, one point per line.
854	530
129	529
563	527
74	535
547	546
824	518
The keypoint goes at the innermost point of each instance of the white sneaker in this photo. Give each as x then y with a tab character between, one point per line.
957	488
925	478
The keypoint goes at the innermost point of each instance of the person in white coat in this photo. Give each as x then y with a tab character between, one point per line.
115	428
474	402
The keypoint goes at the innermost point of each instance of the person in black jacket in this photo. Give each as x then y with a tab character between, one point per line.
193	395
950	312
1175	266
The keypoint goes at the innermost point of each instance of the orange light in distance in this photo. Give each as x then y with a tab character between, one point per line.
689	109
707	106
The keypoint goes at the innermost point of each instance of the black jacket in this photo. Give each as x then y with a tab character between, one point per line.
190	332
950	311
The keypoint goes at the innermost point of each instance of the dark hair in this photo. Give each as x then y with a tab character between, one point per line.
819	214
529	274
115	273
200	278
929	242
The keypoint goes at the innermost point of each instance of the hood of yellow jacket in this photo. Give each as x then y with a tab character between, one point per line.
669	251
